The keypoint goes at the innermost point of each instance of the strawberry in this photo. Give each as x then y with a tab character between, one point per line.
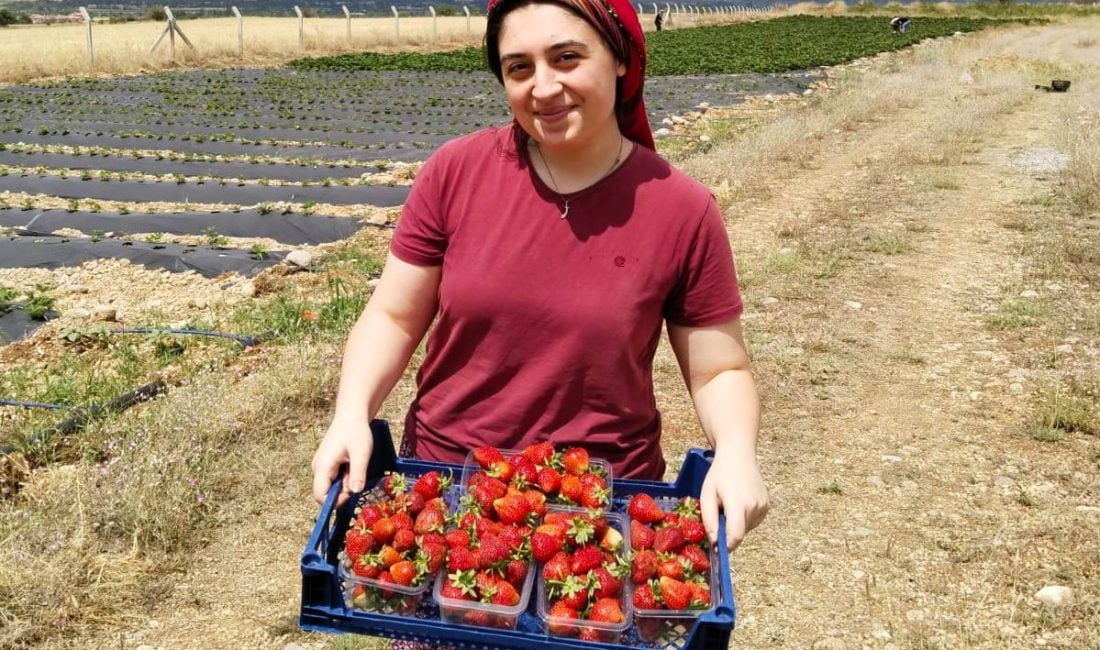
402	520
612	540
513	536
404	539
574	592
668	540
432	484
688	508
643	508
429	520
501	470
384	579
585	559
644	598
370	514
607	610
536	501
546	542
367	566
414	503
477	617
693	530
607	585
700	563
486	456
403	572
394	484
641	536
580	531
643	567
461	559
592	634
452	590
358	541
671	568
700	595
435	555
675	594
571	488
485	526
516	573
512	509
383	530
575	461
560	611
493	551
524	472
594	497
459	538
539	453
549	480
558	568
486	585
505	595
389	556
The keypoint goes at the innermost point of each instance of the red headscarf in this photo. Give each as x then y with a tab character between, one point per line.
619	15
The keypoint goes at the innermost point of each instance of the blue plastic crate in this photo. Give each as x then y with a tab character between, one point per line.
323	608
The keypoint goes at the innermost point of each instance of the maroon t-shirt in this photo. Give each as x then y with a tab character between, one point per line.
547	327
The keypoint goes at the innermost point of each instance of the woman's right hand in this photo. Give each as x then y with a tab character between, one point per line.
347	441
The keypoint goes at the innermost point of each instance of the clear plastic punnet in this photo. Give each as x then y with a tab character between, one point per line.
469	612
470	467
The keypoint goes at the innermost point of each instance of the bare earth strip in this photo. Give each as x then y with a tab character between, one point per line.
911	508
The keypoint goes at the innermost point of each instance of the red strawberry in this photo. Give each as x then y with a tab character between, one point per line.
384	579
404	539
516	573
592	634
402	520
643	567
459	538
395	484
675	594
536	501
594	497
432	485
560	611
574	592
700	563
429	520
453	590
671	568
414	503
505	595
688	508
585	559
643	508
513	536
486	456
549	480
607	585
693	530
461	559
477	617
607	610
370	514
389	556
524	473
501	470
433	538
700	594
641	536
367	566
571	488
612	540
512	509
580	531
493	551
486	585
546	542
403	572
485	526
575	461
435	555
383	530
558	568
539	453
358	541
668	540
644	598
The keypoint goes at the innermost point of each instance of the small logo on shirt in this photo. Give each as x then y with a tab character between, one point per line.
620	261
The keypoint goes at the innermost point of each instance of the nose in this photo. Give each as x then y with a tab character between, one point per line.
547	85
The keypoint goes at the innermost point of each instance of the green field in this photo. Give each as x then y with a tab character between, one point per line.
790	43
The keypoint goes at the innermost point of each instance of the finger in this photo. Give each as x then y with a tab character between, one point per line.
708	507
735	527
323	474
358	458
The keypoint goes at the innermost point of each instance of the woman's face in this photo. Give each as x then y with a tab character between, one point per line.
559	76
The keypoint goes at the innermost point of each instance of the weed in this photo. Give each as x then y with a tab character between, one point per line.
888	245
96	235
832	488
74	205
1014	313
155	238
215	239
258	252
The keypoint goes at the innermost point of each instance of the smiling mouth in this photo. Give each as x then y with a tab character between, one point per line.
553	114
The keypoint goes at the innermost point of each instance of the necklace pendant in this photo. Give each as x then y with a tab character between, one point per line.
565	212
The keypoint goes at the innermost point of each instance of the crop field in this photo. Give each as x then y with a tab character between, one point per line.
916	235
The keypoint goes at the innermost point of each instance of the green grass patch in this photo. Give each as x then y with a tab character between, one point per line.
1065	410
887	245
1015	313
290	318
788	43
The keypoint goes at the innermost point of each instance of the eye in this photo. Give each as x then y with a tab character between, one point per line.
568	57
516	68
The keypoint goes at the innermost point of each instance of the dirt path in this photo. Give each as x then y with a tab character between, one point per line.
909	507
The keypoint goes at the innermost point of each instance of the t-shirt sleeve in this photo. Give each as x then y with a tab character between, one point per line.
706	292
421	236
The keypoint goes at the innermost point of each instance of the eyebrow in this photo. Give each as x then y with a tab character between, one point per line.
556	46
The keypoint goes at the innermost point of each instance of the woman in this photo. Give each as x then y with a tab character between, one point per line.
551	251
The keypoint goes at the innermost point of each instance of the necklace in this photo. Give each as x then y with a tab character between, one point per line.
565	201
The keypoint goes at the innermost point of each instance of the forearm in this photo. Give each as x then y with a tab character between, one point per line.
376	355
729	412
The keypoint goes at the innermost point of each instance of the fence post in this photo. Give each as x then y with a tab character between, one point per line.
347	15
396	22
88	26
240	31
301	29
435	32
467	10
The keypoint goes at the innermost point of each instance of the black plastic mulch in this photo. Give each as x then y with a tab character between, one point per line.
171	192
294	229
16	325
150	165
57	252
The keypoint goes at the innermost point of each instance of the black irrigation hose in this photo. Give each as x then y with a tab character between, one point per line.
81	416
245	340
32	405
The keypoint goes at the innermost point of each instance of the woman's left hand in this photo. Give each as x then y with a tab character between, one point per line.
735	485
